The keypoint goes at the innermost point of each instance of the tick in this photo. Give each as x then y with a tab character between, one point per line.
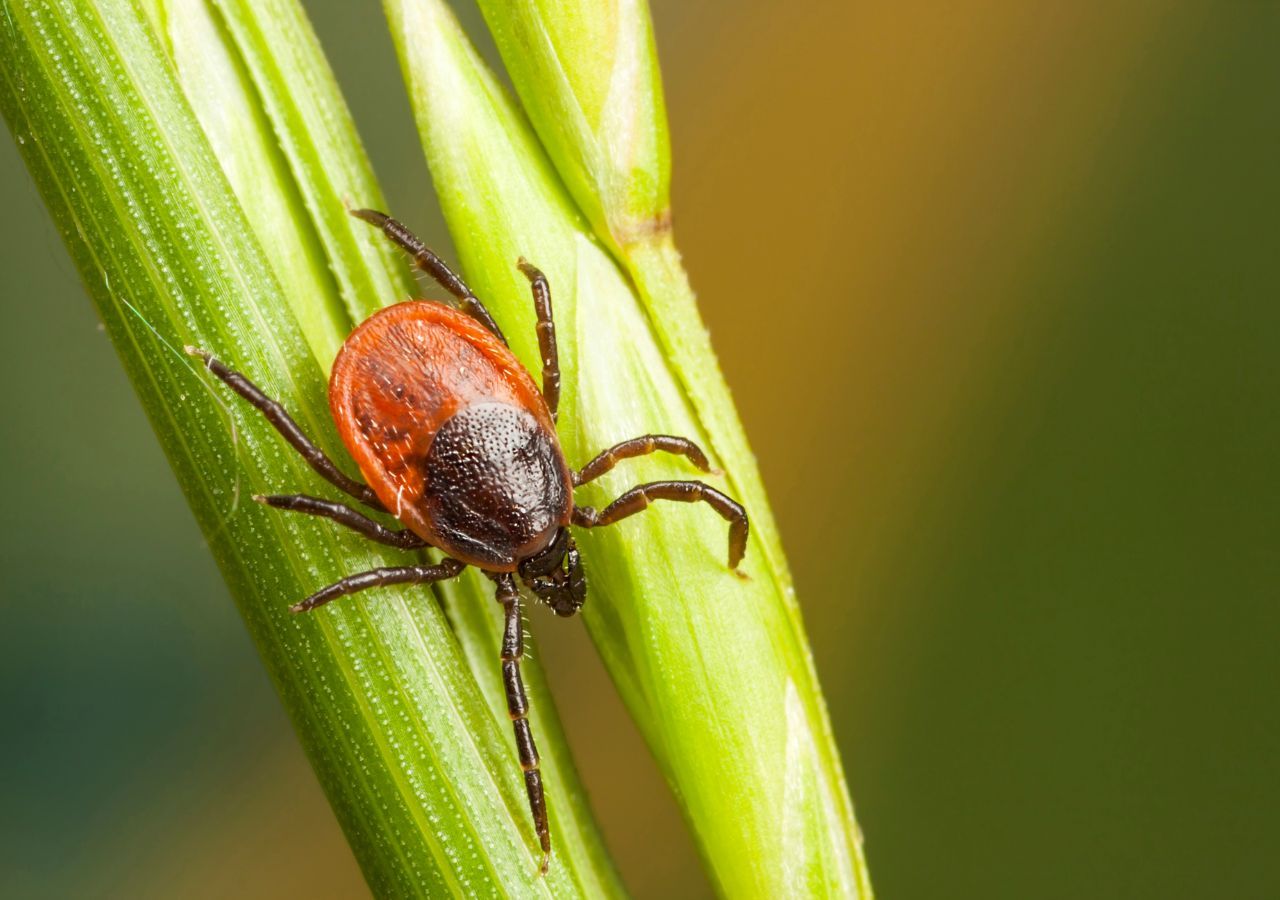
456	441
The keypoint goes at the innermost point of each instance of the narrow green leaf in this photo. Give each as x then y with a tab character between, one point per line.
162	200
715	670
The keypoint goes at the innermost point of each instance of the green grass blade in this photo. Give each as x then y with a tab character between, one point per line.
716	671
417	765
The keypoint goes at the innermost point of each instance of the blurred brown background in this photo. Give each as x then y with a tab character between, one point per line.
996	285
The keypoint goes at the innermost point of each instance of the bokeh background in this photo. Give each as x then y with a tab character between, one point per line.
998	289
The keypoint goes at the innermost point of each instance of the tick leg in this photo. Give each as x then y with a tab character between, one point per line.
344	515
447	568
283	423
518	706
641	446
433	265
546	335
638	498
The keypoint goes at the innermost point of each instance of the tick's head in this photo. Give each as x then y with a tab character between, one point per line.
555	575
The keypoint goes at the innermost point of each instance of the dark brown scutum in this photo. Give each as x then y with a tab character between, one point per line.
518	707
495	488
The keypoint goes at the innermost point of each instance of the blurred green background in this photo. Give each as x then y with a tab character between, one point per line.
996	285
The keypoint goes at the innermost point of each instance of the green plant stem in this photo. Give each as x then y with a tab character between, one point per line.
417	765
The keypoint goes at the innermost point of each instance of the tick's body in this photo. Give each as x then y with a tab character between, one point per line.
456	441
452	434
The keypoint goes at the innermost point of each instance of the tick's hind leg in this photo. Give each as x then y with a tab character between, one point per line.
639	498
433	265
343	515
362	581
283	423
546	335
518	707
641	446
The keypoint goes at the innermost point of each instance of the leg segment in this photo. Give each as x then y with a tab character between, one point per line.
283	423
518	706
638	498
343	515
447	568
433	265
641	446
546	335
